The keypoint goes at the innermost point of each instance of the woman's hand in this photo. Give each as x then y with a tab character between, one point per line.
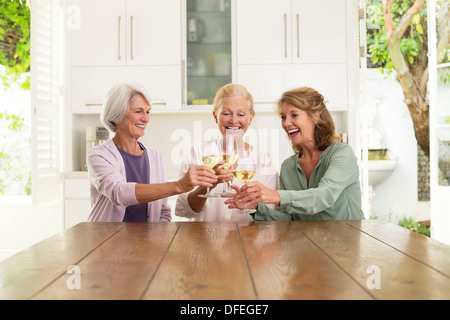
251	194
223	175
197	176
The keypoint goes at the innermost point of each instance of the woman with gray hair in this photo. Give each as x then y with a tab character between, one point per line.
127	180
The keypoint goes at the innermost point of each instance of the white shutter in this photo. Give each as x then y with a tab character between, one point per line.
45	100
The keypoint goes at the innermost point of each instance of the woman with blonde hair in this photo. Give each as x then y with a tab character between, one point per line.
320	181
233	111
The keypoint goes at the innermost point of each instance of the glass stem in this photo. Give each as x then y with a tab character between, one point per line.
226	187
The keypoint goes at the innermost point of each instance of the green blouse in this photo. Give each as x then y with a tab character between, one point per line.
333	192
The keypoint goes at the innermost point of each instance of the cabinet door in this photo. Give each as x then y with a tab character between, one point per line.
153	32
91	84
209	63
329	79
263	31
97	32
319	31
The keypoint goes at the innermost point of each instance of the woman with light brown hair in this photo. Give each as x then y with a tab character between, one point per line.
320	181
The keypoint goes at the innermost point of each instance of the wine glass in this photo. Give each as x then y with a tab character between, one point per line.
228	145
210	156
244	172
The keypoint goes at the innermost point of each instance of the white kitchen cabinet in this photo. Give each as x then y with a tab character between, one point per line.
124	32
286	44
109	42
77	205
91	84
117	41
291	31
273	80
282	45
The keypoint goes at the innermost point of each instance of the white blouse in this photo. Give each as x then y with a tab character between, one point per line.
215	209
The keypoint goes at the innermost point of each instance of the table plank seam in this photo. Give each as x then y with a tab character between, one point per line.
248	264
159	264
406	254
339	266
76	263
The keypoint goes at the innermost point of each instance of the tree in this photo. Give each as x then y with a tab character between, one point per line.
397	40
15	41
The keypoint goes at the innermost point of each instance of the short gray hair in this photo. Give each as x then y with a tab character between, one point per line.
117	102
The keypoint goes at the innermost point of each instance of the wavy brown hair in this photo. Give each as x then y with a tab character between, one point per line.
312	102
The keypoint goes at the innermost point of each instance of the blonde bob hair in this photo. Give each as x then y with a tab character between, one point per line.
117	103
312	102
229	90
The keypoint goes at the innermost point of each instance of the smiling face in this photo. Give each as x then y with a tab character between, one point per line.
298	124
136	119
234	117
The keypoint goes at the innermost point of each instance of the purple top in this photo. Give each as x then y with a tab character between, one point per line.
111	194
137	170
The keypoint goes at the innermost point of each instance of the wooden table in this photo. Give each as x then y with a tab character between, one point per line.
258	260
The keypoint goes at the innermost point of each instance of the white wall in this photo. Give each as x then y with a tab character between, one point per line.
396	197
169	134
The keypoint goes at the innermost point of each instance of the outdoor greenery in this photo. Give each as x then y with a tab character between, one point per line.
412	225
377	41
15	150
14	163
397	40
15	41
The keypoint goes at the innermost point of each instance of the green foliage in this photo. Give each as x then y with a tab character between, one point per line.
15	175
14	162
15	41
410	224
413	42
414	38
445	78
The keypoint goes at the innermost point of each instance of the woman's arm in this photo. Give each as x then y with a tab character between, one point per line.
195	176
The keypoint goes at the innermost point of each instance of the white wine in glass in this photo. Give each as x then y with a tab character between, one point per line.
229	149
210	156
244	172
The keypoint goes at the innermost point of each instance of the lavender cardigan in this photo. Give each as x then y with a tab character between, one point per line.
110	191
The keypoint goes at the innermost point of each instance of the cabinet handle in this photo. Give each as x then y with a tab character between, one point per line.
298	35
159	103
285	35
94	104
131	37
118	38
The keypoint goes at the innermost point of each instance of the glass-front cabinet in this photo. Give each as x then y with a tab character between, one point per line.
208	52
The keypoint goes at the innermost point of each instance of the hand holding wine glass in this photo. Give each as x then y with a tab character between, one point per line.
244	172
210	156
229	150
